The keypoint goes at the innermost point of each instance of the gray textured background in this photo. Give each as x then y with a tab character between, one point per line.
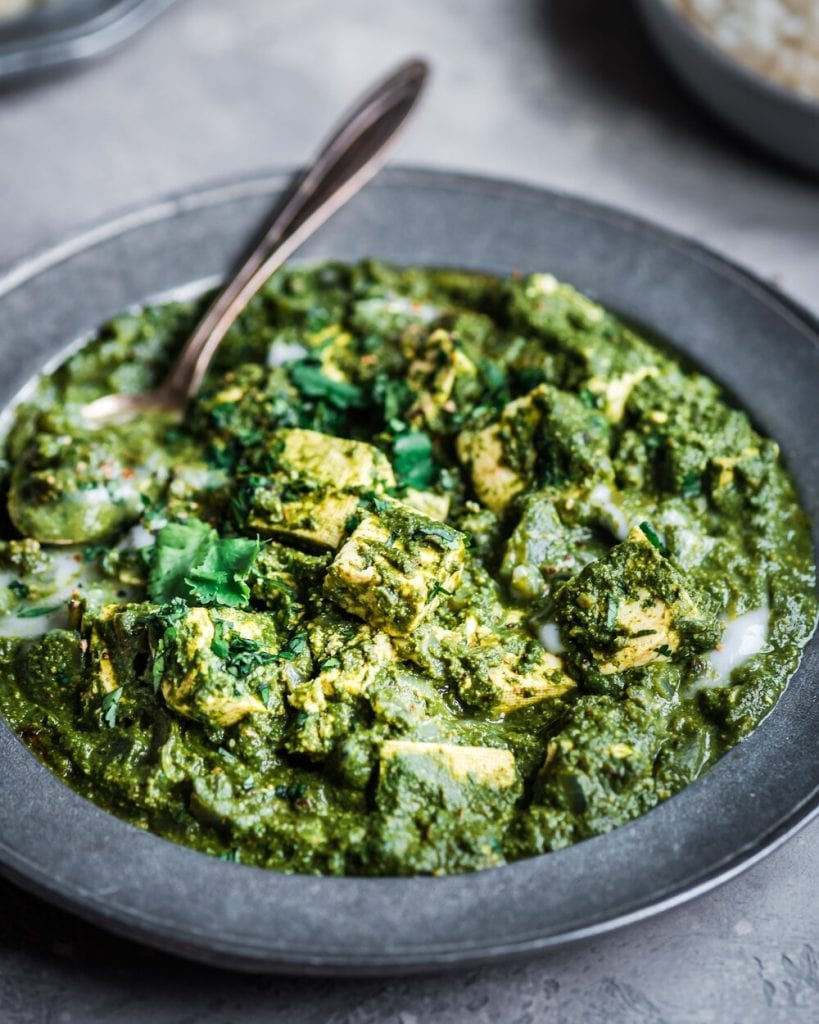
565	93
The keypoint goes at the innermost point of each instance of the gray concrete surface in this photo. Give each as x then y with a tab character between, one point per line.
565	93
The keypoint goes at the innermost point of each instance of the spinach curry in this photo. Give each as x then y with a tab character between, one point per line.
440	571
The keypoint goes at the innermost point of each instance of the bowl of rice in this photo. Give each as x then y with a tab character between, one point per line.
754	63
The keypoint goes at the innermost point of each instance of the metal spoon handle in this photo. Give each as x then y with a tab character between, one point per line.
347	161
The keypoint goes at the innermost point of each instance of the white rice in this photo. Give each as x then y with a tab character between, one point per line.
776	38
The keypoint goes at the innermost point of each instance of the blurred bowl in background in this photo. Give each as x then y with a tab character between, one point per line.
780	119
57	33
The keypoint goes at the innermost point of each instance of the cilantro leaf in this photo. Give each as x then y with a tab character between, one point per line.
653	538
34	613
19	589
220	577
192	562
612	608
412	457
437	589
244	655
588	398
309	379
691	485
179	546
395	395
446	537
91	552
220	645
110	706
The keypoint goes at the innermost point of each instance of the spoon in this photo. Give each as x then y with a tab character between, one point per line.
347	161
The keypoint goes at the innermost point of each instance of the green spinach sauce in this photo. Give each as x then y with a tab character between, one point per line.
440	571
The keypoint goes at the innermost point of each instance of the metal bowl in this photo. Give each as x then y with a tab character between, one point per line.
761	346
776	118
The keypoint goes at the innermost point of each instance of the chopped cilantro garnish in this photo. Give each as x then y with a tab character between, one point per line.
493	374
309	379
317	319
370	500
173	435
242	654
442	534
295	646
282	586
612	607
167	617
110	706
178	547
298	642
412	457
292	793
19	589
91	552
653	538
158	667
436	590
245	655
192	562
664	649
691	485
395	396
33	613
527	378
588	398
219	645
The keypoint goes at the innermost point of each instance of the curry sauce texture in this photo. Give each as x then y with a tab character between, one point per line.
439	571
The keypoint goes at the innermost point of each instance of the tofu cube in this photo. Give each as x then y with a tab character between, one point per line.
486	766
394	567
500	457
442	806
198	671
547	437
442	377
496	483
348	663
615	391
117	646
630	608
503	671
315	486
533	679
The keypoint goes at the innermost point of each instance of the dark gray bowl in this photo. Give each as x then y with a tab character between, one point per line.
778	119
68	31
758	343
